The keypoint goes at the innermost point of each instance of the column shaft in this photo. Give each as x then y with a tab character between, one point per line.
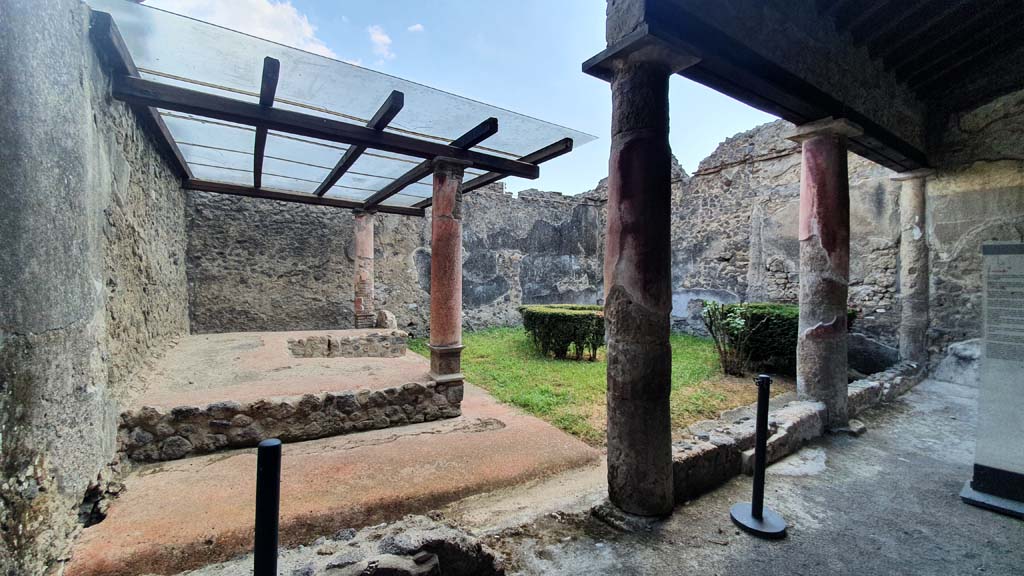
446	271
913	331
638	295
363	249
824	234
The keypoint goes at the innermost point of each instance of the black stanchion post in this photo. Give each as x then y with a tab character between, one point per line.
268	501
752	516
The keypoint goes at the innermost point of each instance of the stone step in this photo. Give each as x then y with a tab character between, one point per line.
175	516
229	391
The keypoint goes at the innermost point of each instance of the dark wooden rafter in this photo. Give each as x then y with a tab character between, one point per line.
852	14
156	94
285	196
953	32
1007	29
980	55
474	136
869	35
268	89
107	38
384	115
921	19
931	34
563	146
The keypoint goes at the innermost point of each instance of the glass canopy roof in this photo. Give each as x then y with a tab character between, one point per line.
181	51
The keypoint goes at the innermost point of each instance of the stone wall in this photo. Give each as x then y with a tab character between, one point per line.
93	279
734	237
152	434
261	265
976	195
369	344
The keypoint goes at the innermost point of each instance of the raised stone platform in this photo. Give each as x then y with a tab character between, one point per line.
174	516
214	392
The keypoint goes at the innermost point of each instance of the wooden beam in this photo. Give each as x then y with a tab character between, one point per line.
268	88
474	136
867	36
107	39
922	20
946	36
563	146
979	53
283	196
156	94
384	115
939	60
852	16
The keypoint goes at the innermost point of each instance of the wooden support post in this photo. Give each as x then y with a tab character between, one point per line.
268	88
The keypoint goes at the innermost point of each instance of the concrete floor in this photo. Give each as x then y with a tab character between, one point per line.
883	503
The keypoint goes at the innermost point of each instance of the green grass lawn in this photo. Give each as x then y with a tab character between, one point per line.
571	394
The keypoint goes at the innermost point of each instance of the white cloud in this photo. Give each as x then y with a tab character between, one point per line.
415	28
274	20
381	42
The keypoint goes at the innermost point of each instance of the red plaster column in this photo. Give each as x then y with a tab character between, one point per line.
824	234
446	272
638	295
363	252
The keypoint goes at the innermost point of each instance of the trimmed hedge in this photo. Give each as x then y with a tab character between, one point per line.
772	345
556	327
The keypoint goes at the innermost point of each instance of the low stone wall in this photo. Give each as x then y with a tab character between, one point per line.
391	344
721	449
154	434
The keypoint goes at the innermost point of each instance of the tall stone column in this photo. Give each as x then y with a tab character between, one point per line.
363	249
446	272
913	330
824	234
638	294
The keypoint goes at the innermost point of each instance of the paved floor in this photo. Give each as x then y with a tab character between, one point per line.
183	514
248	366
883	503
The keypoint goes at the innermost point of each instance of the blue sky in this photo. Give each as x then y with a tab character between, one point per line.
524	55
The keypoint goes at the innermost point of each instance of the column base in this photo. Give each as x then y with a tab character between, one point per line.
368	320
446	363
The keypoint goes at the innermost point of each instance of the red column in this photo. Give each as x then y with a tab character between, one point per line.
824	234
446	271
638	293
363	253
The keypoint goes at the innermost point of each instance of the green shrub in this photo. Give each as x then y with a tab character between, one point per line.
556	327
773	330
731	328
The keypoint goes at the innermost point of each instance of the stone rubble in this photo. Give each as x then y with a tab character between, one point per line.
151	434
390	344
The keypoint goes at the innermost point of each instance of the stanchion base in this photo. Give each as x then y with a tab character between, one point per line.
770	526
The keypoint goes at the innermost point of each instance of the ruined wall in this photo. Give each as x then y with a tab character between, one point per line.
734	236
259	265
976	195
92	274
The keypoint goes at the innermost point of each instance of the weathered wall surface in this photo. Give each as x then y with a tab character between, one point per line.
92	271
734	235
976	195
259	265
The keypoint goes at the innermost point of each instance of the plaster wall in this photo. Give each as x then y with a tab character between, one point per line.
976	195
93	279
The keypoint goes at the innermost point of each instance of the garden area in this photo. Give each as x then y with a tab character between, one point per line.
570	393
